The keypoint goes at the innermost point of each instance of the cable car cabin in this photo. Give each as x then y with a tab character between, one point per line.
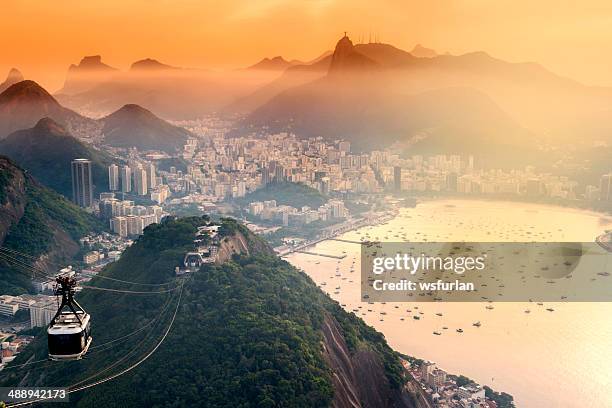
69	336
68	333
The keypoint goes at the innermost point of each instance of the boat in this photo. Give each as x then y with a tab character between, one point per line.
438	314
489	307
416	317
459	330
477	324
550	309
437	333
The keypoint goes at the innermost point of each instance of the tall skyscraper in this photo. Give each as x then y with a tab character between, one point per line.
397	178
113	177
265	176
126	179
151	176
605	187
344	146
279	174
451	181
140	181
82	186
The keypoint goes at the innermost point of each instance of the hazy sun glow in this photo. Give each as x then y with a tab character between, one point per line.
43	38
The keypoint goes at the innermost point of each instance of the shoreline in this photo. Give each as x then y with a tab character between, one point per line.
373	221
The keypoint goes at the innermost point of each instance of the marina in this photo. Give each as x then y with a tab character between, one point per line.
472	332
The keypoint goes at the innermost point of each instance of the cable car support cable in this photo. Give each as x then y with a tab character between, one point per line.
127	369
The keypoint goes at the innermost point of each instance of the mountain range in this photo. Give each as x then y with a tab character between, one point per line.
375	94
172	92
277	63
25	103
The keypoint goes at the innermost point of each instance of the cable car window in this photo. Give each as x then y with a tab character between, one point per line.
61	344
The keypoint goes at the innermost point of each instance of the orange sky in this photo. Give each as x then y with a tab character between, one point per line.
42	38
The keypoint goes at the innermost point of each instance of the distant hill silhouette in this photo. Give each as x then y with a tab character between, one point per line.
135	126
171	92
272	64
13	77
87	74
376	93
46	151
422	52
23	104
347	58
149	64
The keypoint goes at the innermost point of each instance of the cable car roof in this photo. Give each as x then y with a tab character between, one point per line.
69	324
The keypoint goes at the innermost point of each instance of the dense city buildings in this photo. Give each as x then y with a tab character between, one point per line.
441	390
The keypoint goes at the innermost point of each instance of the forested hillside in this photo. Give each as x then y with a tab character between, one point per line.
249	332
38	222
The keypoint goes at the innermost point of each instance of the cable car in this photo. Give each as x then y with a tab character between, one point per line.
68	333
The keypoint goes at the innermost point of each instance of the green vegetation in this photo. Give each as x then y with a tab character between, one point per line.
502	399
294	194
5	178
308	231
46	152
46	219
177	162
248	332
463	380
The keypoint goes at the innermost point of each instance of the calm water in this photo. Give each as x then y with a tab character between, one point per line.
545	359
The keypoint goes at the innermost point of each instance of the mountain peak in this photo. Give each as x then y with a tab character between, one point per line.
88	73
23	104
92	62
26	90
347	58
91	59
149	64
133	125
13	77
344	46
423	52
48	125
46	149
272	64
132	109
